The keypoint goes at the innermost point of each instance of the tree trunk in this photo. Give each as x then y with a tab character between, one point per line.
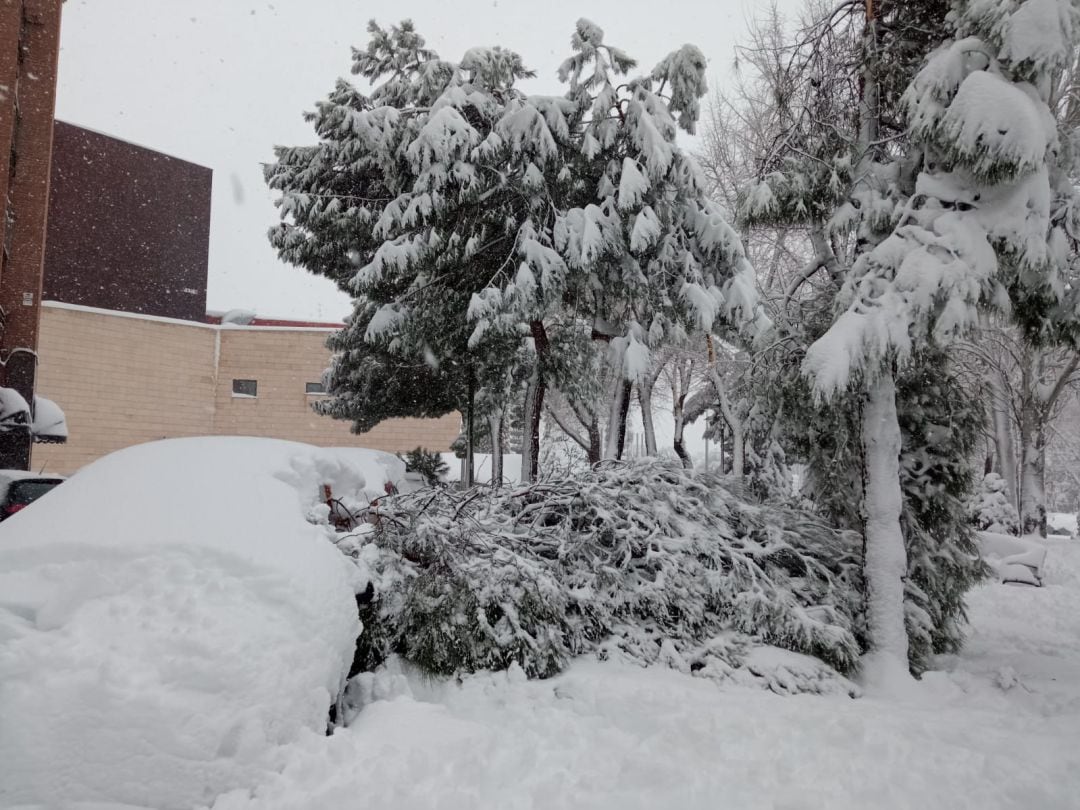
594	441
682	374
624	411
738	450
1003	438
596	445
495	430
644	392
680	449
738	432
534	407
1032	472
885	557
616	428
470	434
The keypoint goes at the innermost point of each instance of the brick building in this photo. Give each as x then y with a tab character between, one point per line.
125	347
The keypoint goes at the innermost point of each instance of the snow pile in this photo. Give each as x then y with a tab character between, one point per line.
167	617
376	467
640	561
1061	523
1015	559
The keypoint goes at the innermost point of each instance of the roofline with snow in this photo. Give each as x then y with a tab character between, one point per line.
301	326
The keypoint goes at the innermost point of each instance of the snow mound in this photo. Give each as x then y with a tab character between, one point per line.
1015	559
167	618
1061	523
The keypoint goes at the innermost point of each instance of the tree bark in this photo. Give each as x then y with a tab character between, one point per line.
1033	473
616	427
596	445
885	557
591	422
645	402
1003	437
679	386
624	411
470	433
738	432
534	407
495	430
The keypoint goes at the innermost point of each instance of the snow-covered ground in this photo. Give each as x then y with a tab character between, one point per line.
175	644
998	727
1064	522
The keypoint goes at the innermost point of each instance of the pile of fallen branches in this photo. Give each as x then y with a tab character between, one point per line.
640	559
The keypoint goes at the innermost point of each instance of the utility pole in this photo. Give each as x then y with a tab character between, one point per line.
29	50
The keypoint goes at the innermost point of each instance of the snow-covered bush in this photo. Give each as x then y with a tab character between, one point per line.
991	510
428	464
640	560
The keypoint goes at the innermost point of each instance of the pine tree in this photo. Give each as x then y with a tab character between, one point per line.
908	264
973	235
484	231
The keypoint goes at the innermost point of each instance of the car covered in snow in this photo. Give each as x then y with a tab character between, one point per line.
179	610
20	488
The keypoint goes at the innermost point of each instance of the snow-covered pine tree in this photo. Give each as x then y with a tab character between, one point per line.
482	229
977	232
653	252
991	510
393	205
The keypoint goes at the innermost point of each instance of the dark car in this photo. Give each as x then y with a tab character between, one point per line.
19	489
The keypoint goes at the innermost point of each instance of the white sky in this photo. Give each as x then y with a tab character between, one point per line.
219	82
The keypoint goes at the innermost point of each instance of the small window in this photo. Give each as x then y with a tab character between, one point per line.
245	388
314	388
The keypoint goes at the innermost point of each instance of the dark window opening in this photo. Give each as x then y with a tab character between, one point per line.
314	388
245	388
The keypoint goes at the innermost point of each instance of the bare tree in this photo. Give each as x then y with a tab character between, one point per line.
1028	384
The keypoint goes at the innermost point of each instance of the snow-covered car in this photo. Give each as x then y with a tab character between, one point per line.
20	488
176	613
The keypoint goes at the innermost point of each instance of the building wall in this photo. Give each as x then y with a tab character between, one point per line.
129	228
125	379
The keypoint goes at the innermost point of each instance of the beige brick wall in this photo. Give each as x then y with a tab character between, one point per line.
125	380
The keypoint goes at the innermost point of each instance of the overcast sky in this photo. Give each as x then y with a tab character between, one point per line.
219	82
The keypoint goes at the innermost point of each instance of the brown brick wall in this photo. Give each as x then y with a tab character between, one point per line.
129	228
123	380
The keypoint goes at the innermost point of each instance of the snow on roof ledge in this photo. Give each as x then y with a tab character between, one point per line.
179	322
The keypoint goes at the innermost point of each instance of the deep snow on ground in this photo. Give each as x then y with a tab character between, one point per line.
172	628
998	727
1062	521
168	616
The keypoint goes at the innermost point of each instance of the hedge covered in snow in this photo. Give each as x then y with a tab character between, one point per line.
640	560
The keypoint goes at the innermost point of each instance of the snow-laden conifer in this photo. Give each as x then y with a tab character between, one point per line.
979	231
484	231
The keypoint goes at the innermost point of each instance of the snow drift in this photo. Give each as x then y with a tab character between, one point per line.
169	616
